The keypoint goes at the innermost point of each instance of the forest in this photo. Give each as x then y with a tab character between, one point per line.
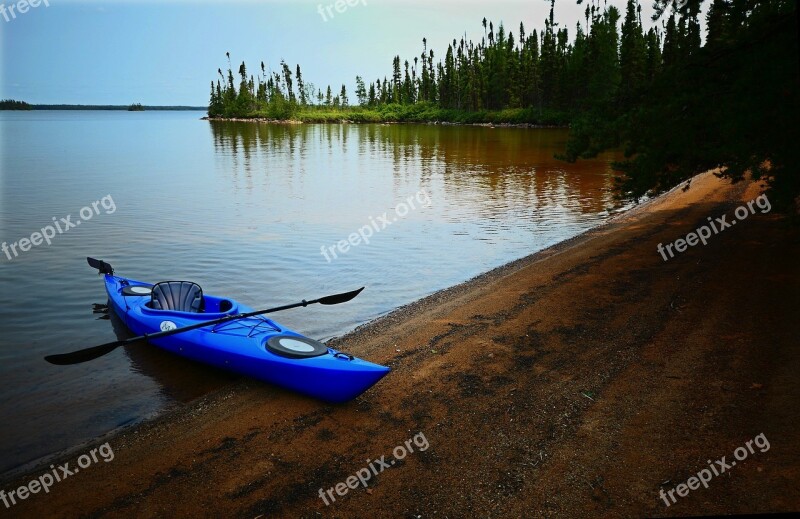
677	105
541	76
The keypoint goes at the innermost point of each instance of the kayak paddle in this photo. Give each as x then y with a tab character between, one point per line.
87	354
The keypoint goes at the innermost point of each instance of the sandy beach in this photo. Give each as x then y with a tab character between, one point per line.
588	379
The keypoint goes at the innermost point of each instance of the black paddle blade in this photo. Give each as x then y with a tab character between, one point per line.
339	298
77	357
100	265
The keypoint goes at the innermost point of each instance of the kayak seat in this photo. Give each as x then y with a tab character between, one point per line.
179	296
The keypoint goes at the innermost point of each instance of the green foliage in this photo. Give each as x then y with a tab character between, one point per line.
732	104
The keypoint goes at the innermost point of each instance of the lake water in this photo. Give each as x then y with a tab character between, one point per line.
246	210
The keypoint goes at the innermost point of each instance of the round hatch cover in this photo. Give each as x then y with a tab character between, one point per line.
137	290
295	347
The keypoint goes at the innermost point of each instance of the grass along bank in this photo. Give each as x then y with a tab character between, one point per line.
399	113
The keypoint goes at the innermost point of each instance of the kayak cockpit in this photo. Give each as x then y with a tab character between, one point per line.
212	308
180	298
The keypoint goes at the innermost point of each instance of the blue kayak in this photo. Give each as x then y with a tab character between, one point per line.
254	346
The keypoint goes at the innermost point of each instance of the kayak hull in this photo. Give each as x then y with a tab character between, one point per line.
240	345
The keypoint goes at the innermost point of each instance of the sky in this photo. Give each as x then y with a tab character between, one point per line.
167	52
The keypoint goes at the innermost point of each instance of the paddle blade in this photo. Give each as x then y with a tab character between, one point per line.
77	357
339	298
100	265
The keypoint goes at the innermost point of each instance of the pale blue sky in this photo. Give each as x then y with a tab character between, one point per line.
162	53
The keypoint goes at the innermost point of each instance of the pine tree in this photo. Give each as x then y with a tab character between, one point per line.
287	79
717	23
396	79
632	56
213	104
372	100
301	88
671	54
361	91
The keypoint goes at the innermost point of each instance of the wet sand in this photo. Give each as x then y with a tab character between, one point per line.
579	381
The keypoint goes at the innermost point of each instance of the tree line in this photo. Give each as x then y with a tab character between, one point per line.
677	105
541	70
10	104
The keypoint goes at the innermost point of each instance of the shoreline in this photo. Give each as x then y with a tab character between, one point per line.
224	392
383	122
501	365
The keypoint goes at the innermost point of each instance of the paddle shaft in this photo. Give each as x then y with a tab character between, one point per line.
94	352
167	333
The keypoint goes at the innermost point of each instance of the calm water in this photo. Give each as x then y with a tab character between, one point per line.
244	209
